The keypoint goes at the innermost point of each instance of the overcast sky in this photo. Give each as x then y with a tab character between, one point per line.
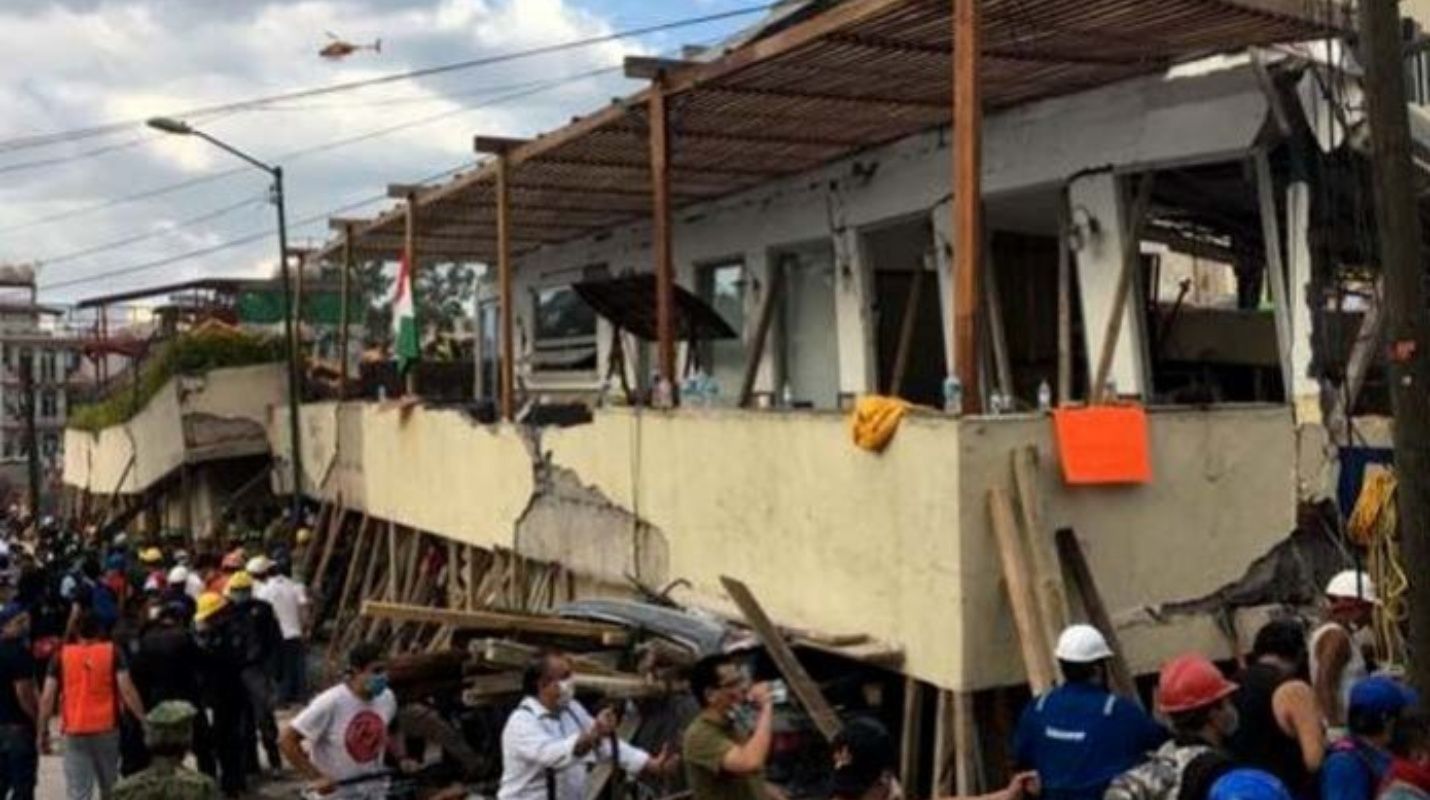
73	64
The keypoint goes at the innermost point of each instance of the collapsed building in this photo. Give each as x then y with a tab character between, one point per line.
1173	214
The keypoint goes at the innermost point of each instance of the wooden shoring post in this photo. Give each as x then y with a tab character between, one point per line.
661	246
997	335
1049	586
906	333
1073	560
1275	264
1132	222
1027	617
349	577
943	738
1065	280
967	204
345	310
506	307
335	527
769	306
911	735
409	251
965	746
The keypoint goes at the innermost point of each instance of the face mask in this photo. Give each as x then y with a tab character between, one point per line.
377	684
567	689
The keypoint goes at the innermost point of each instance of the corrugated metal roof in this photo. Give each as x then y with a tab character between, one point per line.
863	73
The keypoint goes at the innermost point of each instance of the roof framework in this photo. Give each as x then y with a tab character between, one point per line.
864	73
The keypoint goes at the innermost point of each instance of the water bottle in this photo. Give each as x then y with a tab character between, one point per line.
996	403
952	395
1045	397
787	396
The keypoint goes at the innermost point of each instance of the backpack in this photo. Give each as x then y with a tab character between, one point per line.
1157	778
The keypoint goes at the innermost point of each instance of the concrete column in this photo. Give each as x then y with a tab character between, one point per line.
1097	198
1305	387
758	271
852	302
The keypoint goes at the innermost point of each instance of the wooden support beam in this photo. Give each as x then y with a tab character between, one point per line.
506	306
1048	576
1075	563
769	305
911	735
645	68
335	527
967	203
965	746
606	635
1037	656
997	335
1132	222
803	686
497	145
661	246
906	333
405	191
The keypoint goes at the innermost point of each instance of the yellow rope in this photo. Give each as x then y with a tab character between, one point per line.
1373	525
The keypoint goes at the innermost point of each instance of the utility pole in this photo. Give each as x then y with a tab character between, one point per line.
32	442
1407	319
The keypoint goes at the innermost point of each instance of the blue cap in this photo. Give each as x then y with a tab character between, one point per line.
1379	694
10	611
115	561
1248	784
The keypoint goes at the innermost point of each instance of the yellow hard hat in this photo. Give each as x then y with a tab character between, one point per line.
303	535
151	555
208	604
238	580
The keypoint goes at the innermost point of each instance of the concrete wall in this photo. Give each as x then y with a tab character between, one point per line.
828	536
155	436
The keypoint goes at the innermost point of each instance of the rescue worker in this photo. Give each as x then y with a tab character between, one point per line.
1281	727
258	637
864	767
1079	736
220	678
289	599
1359	763
19	706
725	760
91	678
163	670
151	559
1338	652
1196	699
232	562
550	742
1409	777
168	729
177	590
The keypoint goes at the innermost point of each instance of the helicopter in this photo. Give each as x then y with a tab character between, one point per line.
340	48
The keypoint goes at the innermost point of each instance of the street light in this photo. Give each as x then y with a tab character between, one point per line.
181	128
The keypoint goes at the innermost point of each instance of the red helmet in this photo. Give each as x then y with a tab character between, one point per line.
233	560
1191	682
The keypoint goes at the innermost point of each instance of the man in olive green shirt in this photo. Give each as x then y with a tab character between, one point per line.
723	762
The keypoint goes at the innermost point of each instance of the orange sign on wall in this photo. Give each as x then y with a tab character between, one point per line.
1102	445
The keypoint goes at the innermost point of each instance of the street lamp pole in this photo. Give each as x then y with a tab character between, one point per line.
290	330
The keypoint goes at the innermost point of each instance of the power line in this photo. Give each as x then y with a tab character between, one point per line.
25	142
229	244
160	191
208	216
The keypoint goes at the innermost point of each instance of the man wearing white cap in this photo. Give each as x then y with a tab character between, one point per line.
290	605
1079	736
1337	651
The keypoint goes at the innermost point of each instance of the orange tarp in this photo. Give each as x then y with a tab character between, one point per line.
1103	445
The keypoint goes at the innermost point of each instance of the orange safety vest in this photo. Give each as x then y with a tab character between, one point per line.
89	693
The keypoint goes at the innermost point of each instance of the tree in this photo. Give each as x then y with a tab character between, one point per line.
444	295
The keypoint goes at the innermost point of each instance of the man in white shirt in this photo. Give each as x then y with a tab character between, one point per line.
550	741
290	605
346	730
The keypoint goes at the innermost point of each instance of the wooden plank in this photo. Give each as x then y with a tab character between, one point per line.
335	526
803	686
911	735
967	206
769	305
997	335
1037	659
607	635
1073	560
1131	259
943	738
1048	583
965	743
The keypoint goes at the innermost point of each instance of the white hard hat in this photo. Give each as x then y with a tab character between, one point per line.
179	574
1352	585
258	565
1082	644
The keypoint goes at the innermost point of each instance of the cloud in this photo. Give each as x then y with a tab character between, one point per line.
79	63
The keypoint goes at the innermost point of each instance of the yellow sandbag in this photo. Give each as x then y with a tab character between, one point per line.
875	420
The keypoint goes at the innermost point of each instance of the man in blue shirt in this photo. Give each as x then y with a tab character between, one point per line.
1358	763
1079	736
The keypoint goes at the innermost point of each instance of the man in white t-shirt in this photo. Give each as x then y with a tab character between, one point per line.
290	605
346	730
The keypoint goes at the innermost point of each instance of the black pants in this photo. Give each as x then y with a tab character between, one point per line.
229	742
259	725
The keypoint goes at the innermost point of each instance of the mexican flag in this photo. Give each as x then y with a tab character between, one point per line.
407	341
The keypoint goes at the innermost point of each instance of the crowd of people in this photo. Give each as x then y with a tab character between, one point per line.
123	642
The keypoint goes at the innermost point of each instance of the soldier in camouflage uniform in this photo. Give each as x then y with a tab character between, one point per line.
168	731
